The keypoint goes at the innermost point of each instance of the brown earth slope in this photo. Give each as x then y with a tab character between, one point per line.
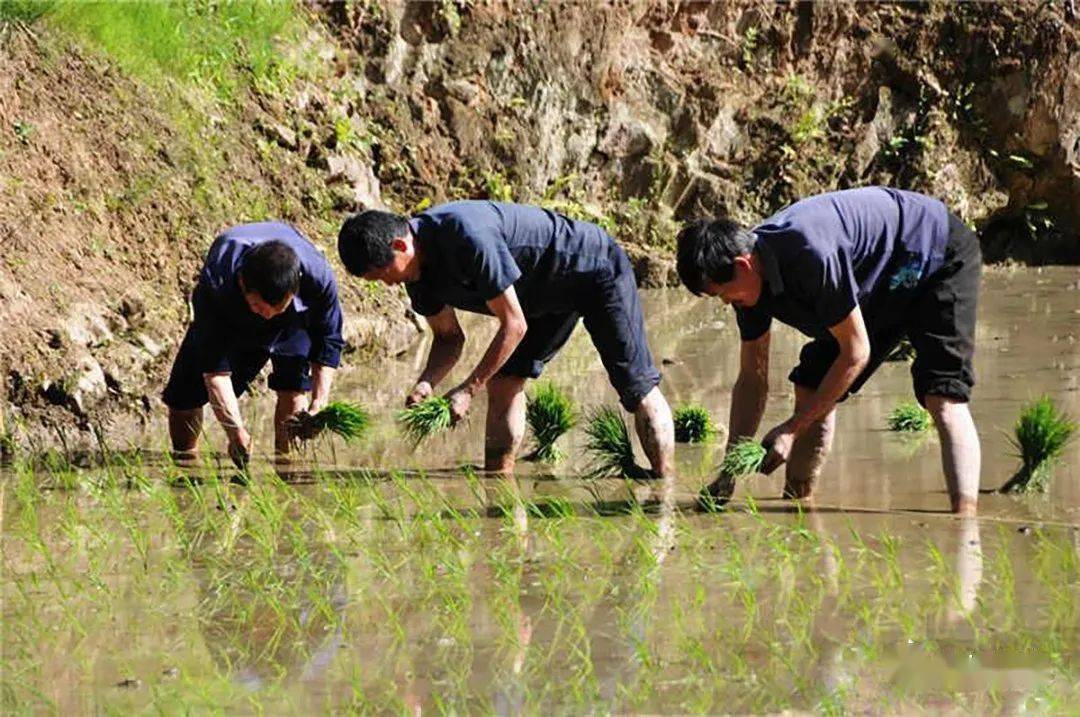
635	114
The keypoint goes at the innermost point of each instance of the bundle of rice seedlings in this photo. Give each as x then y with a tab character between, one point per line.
910	417
743	457
1041	433
425	418
610	446
692	424
348	420
549	413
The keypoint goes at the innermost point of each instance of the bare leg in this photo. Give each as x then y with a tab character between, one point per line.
809	452
184	429
289	403
505	423
656	431
960	453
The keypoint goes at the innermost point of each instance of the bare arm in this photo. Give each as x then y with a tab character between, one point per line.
751	390
512	327
854	343
227	409
444	354
321	379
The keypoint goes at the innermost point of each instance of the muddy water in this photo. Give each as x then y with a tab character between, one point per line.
343	592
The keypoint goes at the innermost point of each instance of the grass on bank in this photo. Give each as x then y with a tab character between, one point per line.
1040	436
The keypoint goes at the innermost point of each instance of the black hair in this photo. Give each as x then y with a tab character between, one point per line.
706	251
365	239
271	270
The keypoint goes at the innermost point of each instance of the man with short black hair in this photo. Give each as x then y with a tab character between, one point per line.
856	271
537	272
265	293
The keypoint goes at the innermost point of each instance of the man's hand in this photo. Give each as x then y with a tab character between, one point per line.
421	391
460	400
779	442
240	447
303	427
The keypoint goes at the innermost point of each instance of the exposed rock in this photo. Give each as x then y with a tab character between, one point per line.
652	269
277	132
86	325
364	190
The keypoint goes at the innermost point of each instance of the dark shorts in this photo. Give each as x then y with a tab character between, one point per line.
186	389
611	311
939	322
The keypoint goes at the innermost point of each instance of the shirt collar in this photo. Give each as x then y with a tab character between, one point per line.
770	266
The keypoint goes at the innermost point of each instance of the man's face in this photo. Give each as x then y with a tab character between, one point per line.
404	267
743	290
263	308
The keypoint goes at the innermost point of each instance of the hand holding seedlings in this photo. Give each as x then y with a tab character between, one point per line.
344	419
421	392
240	444
425	418
460	400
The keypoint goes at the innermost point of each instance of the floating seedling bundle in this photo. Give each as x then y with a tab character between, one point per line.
1040	436
692	424
909	417
424	419
608	440
549	413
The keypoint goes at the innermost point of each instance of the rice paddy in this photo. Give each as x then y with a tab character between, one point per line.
394	581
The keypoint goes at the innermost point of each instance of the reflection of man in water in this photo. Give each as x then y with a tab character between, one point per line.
856	271
537	272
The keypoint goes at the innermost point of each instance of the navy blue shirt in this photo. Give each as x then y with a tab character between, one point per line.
311	325
473	250
873	247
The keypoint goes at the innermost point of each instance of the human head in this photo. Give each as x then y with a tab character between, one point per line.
379	246
270	277
716	258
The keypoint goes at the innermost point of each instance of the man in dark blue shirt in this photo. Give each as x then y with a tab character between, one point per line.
265	293
856	271
537	272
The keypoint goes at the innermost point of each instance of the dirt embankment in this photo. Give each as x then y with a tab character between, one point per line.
638	115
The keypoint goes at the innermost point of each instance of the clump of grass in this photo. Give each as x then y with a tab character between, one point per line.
909	417
610	446
425	418
692	424
549	413
348	420
743	457
1040	435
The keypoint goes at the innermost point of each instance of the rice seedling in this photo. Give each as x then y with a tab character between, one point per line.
743	457
608	440
550	413
345	419
693	424
425	418
1040	436
909	417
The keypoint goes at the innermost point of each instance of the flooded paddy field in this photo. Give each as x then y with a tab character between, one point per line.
375	578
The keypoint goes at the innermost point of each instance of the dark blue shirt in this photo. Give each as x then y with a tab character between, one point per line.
473	250
873	247
311	323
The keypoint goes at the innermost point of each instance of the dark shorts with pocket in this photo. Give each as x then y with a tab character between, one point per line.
186	388
610	308
939	322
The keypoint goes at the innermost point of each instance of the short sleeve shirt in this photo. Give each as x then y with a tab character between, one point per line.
473	251
827	254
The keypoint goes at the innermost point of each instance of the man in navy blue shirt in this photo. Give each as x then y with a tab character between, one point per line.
856	271
265	293
537	272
